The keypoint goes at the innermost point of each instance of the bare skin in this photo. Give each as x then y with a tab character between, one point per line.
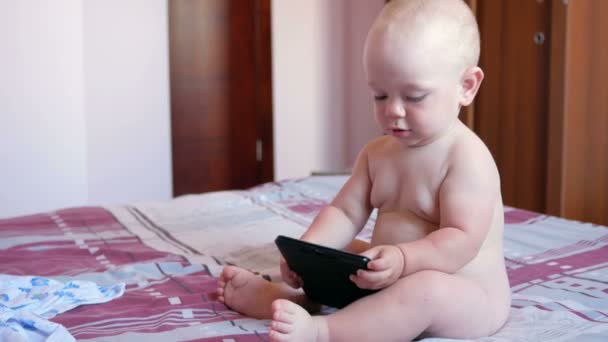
436	249
472	302
251	294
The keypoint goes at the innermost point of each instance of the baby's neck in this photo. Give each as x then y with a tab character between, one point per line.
449	131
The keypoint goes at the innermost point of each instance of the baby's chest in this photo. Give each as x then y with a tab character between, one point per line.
415	189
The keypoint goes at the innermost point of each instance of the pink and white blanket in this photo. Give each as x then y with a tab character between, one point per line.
169	255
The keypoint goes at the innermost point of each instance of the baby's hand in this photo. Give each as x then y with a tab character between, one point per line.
289	276
385	268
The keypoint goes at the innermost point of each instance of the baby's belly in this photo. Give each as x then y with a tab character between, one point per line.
487	268
399	227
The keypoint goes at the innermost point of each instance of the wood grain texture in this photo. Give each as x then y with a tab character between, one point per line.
242	111
585	147
221	94
511	107
199	82
263	58
557	91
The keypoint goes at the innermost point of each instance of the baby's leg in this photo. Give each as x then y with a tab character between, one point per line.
253	295
439	304
357	246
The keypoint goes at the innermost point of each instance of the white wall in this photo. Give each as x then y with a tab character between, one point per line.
126	65
308	111
84	114
42	126
84	97
359	100
322	108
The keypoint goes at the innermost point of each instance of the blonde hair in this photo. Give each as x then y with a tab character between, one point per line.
453	18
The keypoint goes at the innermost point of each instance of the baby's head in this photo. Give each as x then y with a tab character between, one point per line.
421	59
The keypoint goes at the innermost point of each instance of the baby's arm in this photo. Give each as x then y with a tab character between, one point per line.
468	198
337	224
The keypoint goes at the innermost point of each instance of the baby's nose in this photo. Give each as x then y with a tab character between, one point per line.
395	108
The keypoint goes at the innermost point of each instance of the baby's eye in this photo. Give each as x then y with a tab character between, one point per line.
380	97
415	98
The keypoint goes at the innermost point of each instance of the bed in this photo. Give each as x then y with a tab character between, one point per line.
169	254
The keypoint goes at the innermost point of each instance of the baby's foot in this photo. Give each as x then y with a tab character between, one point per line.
290	322
246	292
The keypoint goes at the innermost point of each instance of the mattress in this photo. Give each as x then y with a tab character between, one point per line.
170	253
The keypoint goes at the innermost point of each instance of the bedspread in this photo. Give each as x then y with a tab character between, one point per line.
167	298
170	253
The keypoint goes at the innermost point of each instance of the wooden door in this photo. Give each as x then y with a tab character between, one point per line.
221	94
511	108
577	185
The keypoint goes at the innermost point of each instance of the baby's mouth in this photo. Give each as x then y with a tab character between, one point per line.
400	132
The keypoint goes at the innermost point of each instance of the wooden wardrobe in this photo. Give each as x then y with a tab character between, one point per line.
543	106
221	94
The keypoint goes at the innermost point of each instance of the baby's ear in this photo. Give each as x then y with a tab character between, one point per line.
471	80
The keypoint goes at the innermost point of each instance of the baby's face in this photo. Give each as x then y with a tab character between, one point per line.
416	88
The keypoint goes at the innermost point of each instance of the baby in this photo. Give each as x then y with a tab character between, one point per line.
436	249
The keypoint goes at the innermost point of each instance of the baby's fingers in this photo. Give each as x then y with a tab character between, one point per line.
379	264
372	253
293	280
369	280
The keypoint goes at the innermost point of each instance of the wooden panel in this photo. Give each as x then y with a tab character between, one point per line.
585	148
199	54
511	107
263	32
242	99
557	91
221	94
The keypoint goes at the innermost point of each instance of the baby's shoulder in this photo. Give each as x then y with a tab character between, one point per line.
470	155
469	147
378	145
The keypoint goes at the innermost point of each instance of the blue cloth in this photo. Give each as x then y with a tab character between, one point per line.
27	303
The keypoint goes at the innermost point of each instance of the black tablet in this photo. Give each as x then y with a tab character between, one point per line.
324	271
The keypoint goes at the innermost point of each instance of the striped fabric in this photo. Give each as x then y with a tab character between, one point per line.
170	253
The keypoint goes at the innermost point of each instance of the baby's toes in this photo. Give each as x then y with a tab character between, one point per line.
284	310
282	327
290	322
227	274
276	336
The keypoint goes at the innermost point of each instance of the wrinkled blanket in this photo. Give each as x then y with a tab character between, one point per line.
27	302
